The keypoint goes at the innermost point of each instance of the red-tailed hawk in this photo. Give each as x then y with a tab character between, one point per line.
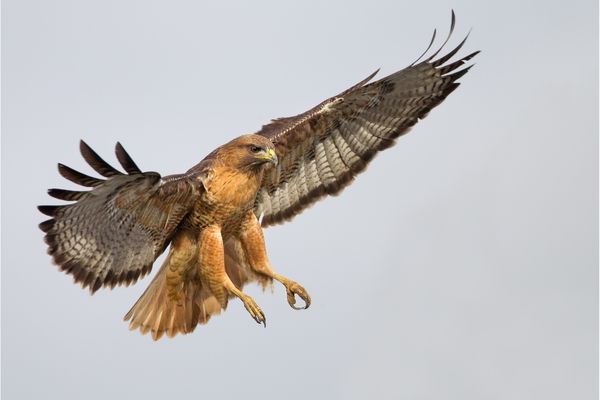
212	216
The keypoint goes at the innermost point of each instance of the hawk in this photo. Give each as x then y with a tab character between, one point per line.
211	217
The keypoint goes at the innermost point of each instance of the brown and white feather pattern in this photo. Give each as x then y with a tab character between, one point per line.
158	314
112	234
322	150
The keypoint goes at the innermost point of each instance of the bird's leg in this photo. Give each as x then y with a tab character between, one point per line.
183	250
212	272
253	243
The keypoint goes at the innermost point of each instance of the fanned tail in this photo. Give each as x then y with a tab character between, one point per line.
159	314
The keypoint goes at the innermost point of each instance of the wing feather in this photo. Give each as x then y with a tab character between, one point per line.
112	234
96	162
77	177
125	160
68	195
323	149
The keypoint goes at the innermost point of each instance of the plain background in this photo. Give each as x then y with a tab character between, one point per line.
462	264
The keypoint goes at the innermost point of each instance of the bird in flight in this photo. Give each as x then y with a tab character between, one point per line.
212	216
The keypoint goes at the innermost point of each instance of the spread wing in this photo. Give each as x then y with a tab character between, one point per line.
321	150
113	233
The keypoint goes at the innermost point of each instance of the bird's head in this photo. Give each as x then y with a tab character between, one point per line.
250	152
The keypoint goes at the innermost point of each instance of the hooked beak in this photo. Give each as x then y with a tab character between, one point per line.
269	155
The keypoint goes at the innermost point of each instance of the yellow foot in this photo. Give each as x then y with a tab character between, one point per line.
254	310
293	289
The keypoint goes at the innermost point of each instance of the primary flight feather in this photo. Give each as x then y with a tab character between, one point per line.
209	216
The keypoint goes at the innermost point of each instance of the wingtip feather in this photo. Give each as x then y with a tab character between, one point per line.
96	162
125	160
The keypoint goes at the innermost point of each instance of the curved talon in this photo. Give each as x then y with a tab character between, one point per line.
295	289
262	319
255	311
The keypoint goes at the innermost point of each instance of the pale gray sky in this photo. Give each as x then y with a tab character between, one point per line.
473	275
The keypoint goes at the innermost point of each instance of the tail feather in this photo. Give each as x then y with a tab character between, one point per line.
157	313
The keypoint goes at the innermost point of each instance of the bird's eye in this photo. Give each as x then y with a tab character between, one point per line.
255	149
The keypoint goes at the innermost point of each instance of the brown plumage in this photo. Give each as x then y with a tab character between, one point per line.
112	234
